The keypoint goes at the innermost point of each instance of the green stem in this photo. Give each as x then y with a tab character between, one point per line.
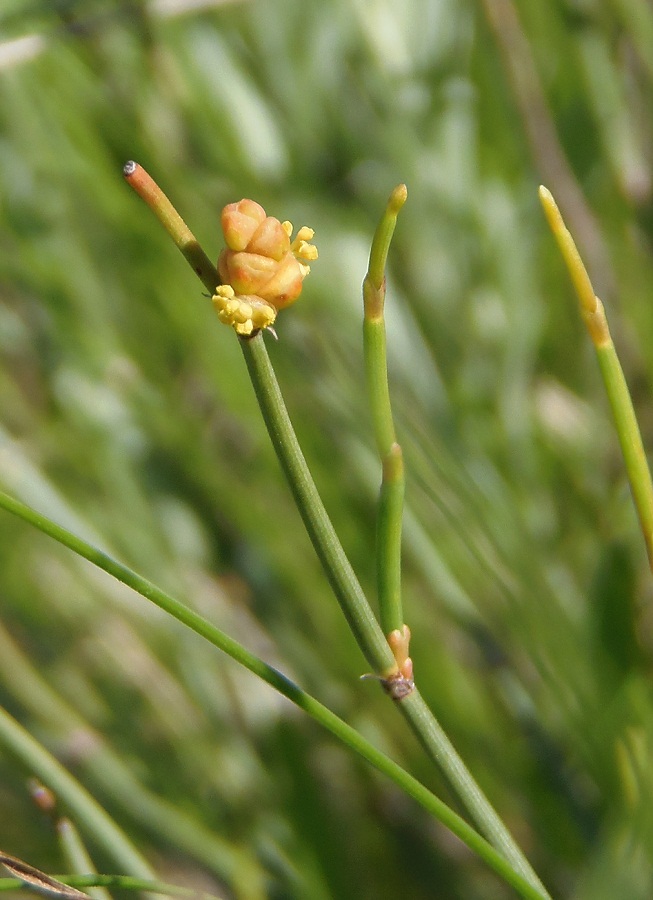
337	567
383	236
376	370
53	774
593	314
630	439
442	752
388	549
388	541
391	500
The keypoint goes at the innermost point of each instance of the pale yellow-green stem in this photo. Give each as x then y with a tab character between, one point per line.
593	314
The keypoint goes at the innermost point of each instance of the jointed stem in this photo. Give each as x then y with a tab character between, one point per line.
391	496
593	314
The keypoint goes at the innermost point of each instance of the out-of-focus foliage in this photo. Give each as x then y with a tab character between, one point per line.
126	414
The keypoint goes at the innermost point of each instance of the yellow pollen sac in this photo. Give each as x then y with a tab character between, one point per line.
245	314
301	247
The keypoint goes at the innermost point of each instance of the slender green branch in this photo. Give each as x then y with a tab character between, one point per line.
388	547
391	500
383	236
593	313
52	773
630	439
388	543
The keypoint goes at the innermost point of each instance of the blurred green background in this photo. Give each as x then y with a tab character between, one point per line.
126	414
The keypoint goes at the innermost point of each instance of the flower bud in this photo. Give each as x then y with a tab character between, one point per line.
260	266
239	222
